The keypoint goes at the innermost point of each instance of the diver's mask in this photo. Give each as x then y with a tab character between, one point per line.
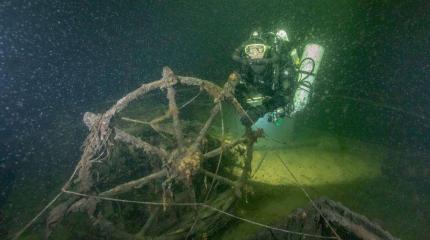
256	51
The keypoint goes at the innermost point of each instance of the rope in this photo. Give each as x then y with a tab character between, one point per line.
191	100
309	198
216	171
18	234
220	155
260	163
203	205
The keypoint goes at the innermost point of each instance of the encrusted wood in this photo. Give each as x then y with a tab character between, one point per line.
348	224
178	165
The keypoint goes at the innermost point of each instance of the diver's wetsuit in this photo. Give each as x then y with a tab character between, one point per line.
259	76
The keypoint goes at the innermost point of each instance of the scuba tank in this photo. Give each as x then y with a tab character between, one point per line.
308	69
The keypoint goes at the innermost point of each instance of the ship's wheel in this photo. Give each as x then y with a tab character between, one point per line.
164	177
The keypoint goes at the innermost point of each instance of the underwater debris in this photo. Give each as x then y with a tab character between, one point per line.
170	183
163	194
348	224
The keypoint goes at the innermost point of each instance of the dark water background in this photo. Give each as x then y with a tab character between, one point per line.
59	59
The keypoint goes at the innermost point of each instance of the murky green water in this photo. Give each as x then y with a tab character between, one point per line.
363	141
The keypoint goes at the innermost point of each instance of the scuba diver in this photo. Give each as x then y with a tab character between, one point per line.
273	78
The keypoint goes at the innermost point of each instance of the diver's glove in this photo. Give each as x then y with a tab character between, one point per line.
276	114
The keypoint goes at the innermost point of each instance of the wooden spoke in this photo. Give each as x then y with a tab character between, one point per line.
169	78
153	215
215	91
215	110
138	143
128	186
249	154
225	147
219	178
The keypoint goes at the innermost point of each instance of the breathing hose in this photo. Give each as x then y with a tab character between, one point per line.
303	80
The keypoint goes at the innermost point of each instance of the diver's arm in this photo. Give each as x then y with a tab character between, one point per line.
236	56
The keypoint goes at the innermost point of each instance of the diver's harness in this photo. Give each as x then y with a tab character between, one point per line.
302	84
